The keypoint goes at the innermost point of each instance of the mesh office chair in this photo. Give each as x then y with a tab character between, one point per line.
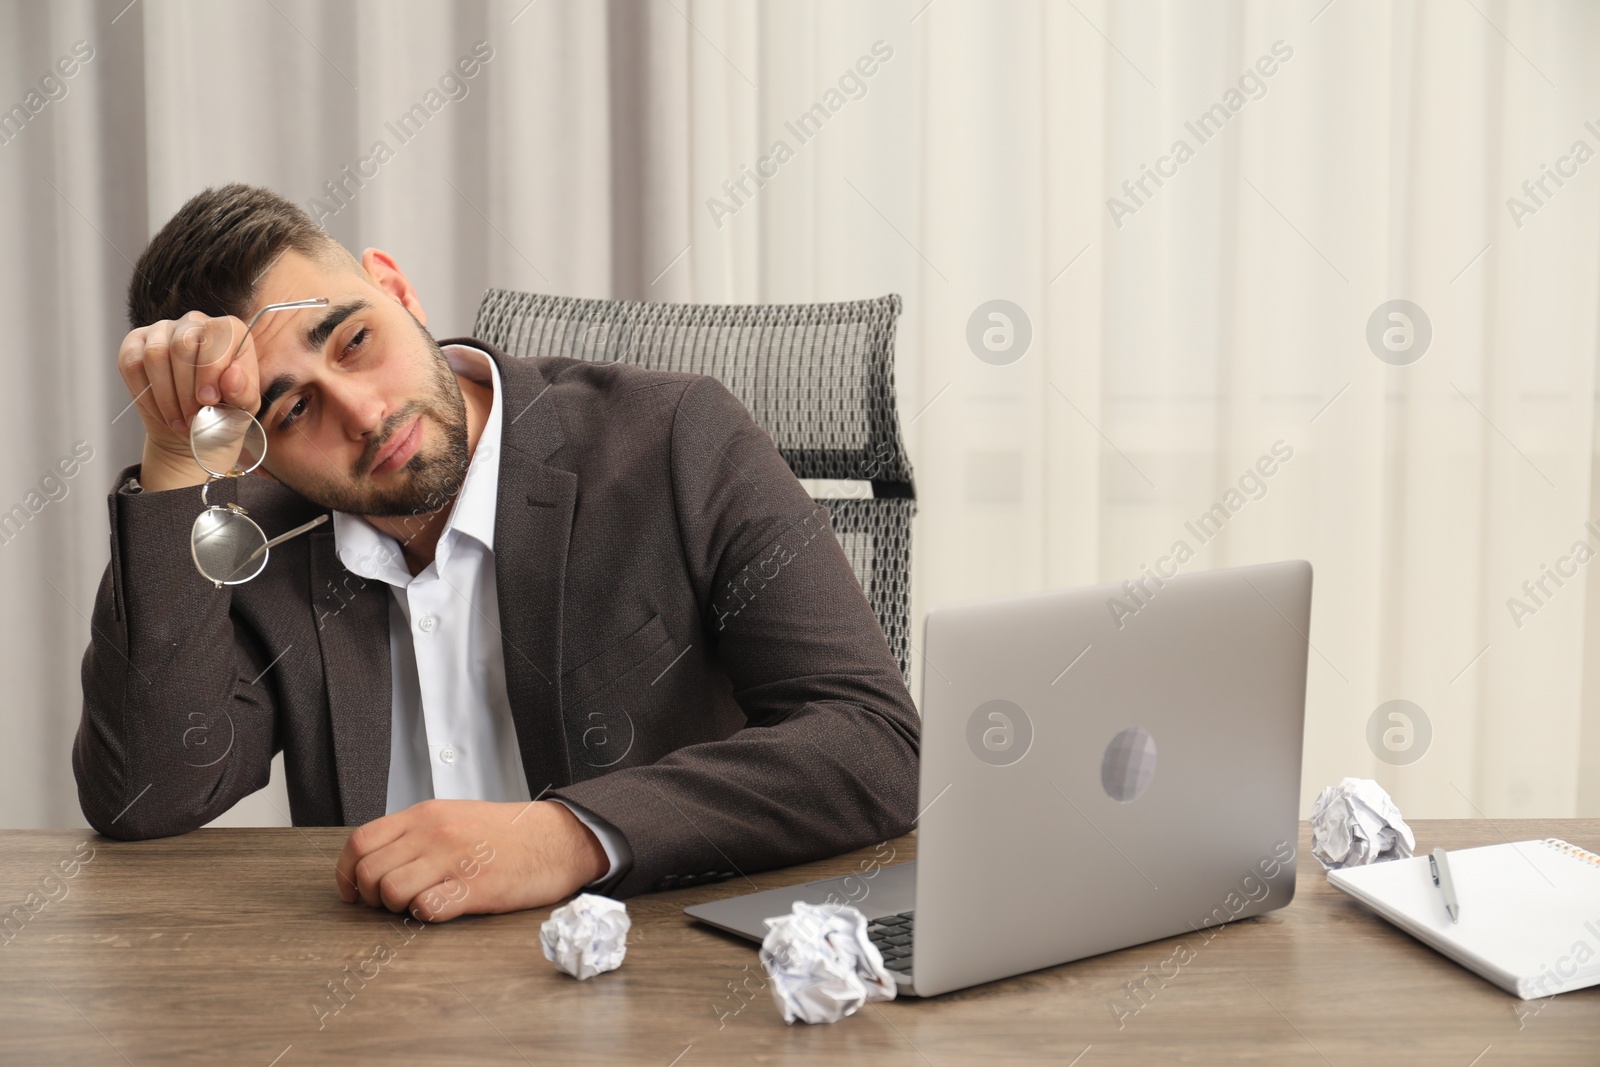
819	378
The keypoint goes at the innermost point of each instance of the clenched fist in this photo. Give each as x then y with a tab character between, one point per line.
444	858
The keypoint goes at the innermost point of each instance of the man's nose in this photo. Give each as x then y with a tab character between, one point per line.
360	411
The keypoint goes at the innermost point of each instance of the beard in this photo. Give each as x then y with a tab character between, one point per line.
433	478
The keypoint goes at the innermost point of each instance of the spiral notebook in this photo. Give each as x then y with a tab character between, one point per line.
1530	911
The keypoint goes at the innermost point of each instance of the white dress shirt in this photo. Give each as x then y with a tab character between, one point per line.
452	735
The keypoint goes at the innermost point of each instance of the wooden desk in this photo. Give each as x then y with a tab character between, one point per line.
215	948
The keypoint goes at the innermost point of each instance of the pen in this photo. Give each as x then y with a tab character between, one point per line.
1440	867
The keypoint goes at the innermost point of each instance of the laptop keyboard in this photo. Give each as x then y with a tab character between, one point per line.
892	935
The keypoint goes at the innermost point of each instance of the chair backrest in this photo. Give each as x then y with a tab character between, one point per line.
819	378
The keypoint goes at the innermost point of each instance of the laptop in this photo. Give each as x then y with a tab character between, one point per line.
1100	767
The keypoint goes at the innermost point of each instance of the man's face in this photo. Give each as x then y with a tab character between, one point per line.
362	412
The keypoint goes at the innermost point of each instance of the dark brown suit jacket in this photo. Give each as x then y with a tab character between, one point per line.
687	651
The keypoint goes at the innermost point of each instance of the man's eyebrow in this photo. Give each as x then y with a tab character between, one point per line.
312	340
318	335
269	396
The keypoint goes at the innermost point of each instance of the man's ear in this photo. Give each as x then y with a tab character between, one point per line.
386	274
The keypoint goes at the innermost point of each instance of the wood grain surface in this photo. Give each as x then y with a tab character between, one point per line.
219	947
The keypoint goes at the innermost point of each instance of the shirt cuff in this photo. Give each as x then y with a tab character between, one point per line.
618	854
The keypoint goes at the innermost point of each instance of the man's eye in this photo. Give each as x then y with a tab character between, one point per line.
290	417
293	414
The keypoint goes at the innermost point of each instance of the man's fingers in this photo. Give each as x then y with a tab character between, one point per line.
156	361
399	886
211	358
240	380
373	869
365	841
344	874
441	902
133	374
130	360
188	337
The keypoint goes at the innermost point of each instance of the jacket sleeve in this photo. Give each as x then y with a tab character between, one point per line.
828	759
177	725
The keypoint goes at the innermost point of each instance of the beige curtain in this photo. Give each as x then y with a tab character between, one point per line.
1196	317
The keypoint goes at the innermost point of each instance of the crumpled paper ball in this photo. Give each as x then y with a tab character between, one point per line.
822	964
1355	823
587	936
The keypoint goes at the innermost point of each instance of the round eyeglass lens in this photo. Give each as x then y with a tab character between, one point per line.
227	441
224	543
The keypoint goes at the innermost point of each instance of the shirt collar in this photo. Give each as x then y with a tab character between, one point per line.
367	551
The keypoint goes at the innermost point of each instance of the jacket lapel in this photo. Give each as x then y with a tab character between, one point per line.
353	629
532	534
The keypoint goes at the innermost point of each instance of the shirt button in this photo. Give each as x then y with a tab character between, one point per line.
427	622
447	754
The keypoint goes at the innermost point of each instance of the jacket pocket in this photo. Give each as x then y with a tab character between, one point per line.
597	672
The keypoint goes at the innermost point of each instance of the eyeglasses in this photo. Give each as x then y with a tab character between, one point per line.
227	441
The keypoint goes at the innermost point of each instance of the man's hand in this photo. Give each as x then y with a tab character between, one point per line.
172	369
444	858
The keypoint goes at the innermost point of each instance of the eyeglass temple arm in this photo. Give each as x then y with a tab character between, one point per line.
296	532
310	302
280	539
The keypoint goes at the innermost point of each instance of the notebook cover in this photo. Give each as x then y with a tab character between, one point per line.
1530	911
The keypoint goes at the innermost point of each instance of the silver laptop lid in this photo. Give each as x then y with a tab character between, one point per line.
1107	766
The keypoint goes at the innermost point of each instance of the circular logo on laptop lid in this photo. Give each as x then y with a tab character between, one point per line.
1128	764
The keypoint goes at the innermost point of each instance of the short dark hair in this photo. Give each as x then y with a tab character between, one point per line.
210	256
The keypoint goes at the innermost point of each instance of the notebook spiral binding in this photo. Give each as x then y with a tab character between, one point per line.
1572	850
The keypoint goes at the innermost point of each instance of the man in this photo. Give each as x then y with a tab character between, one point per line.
570	625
